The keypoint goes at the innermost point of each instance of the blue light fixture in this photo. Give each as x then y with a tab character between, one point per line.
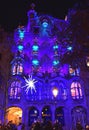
69	48
55	62
35	62
45	24
21	33
55	47
35	47
20	47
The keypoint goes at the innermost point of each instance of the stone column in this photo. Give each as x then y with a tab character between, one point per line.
67	118
53	108
25	117
40	113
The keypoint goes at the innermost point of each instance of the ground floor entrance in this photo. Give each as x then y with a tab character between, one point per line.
48	113
14	114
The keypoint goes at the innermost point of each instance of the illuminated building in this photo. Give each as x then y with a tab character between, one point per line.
45	76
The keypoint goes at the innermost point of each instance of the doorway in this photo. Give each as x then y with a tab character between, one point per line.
33	115
78	115
14	114
46	114
59	115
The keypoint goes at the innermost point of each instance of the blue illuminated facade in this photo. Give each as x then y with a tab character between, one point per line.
43	60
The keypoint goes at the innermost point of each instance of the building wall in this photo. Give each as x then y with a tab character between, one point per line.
52	38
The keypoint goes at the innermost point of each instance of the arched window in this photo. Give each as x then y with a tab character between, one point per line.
59	115
15	90
61	88
79	115
17	65
74	71
17	68
54	90
46	114
76	90
33	115
14	114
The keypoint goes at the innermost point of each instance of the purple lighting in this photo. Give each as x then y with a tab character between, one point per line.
47	80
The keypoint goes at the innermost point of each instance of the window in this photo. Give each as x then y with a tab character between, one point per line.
74	71
33	115
17	66
71	71
46	114
61	88
76	90
78	114
59	115
15	90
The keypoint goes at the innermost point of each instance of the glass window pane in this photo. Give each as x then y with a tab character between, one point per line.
76	90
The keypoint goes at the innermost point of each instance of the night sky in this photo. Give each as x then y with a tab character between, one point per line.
14	12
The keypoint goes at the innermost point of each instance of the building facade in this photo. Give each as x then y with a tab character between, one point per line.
46	72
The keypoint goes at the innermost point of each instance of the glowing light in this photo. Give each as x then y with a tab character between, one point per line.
55	62
30	84
35	48
87	61
55	47
55	92
20	47
45	24
21	33
35	62
69	48
66	18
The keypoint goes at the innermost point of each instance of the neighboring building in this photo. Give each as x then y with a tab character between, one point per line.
45	71
6	41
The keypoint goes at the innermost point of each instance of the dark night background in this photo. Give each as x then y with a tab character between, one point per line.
14	12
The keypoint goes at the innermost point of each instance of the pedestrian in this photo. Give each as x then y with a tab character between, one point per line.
79	126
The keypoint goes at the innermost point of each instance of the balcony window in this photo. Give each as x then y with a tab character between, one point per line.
76	90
